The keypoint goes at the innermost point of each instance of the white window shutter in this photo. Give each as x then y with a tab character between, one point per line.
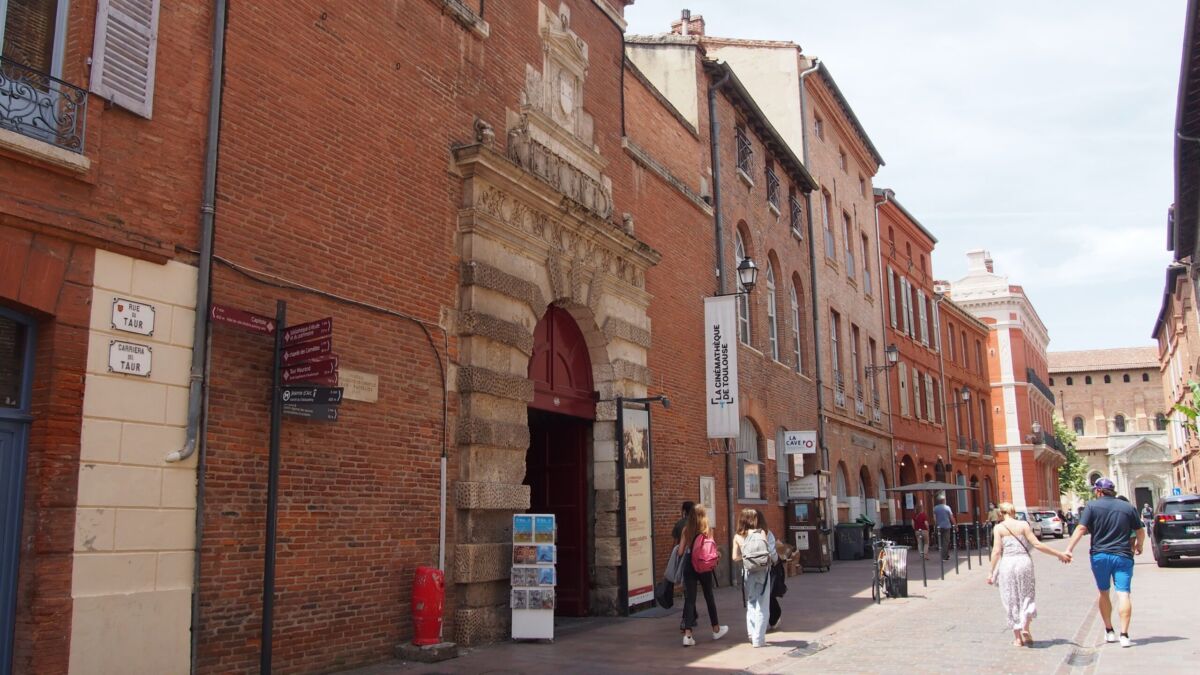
892	295
937	328
903	390
124	53
923	318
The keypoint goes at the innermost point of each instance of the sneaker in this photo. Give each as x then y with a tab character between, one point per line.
720	633
1125	641
689	641
1110	635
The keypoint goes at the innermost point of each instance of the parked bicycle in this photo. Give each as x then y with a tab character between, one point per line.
881	568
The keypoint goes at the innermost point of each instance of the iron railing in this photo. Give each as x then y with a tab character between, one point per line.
974	446
962	442
39	106
772	187
797	215
1038	384
744	151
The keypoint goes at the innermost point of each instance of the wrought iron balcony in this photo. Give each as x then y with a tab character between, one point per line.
988	448
974	446
36	105
962	442
1039	385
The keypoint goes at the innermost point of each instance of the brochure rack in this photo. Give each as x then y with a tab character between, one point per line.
533	576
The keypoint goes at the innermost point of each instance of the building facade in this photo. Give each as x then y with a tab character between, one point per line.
1022	413
1178	336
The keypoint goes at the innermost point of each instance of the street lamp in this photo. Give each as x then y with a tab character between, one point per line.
747	273
890	354
1036	436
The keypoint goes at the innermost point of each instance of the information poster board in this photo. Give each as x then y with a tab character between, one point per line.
534	576
639	551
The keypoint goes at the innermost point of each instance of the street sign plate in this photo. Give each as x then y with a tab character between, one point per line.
304	332
132	317
320	413
311	395
304	372
129	358
307	351
255	323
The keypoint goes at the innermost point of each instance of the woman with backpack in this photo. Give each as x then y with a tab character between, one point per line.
696	545
754	548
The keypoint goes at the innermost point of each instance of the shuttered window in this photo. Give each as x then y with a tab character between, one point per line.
892	295
903	390
123	58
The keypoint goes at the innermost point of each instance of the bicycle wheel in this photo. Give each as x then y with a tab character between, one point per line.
876	587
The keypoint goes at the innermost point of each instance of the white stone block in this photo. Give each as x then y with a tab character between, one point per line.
175	570
113	271
179	488
173	282
95	529
131	633
172	365
148	444
183	325
124	398
111	573
155	530
177	404
100	441
117	485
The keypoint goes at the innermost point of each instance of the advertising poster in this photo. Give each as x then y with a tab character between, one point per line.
720	363
522	529
708	493
639	553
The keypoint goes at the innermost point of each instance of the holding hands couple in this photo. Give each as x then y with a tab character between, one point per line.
1012	570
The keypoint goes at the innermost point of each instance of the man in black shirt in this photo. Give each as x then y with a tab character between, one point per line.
1117	536
677	532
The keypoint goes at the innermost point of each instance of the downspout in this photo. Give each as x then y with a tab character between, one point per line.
812	282
197	398
887	195
714	135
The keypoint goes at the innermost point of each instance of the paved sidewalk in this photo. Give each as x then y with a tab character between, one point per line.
820	610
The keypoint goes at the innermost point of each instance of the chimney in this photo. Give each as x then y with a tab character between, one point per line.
987	262
688	24
979	261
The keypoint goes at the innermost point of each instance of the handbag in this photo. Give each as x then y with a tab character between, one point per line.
664	593
674	572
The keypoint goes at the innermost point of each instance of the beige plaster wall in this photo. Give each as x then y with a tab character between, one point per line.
134	530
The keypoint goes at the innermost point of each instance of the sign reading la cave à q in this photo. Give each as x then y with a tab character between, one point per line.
720	361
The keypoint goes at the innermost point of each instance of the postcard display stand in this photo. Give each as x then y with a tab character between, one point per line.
533	576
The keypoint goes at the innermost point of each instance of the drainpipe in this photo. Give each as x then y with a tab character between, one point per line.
714	135
197	398
887	195
812	282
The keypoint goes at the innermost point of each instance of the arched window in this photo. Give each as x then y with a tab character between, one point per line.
743	299
1070	381
839	487
1087	379
1119	423
1052	382
960	496
1107	379
1095	476
1145	377
783	465
1077	424
796	330
863	494
772	317
749	462
1160	422
1125	377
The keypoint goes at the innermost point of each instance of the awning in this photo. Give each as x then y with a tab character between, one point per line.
931	485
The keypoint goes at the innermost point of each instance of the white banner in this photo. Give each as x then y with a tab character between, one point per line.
799	442
720	361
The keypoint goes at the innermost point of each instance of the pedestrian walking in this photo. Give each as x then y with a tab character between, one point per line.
754	548
698	550
921	528
994	516
1147	518
1117	535
778	573
685	511
943	517
1012	571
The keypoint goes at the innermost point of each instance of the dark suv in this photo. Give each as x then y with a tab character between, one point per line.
1176	528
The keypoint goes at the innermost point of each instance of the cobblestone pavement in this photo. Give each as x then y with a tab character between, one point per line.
831	626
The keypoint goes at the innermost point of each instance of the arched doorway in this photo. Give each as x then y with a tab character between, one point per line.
16	378
556	464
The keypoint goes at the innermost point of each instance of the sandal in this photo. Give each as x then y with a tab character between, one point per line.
1026	638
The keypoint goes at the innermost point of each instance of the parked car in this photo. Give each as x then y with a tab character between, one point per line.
1050	522
1034	524
1176	529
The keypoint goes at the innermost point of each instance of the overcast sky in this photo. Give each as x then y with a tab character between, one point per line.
1038	130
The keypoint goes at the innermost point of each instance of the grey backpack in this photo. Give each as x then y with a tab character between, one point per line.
756	553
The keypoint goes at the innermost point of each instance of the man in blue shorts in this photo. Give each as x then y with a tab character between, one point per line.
1112	524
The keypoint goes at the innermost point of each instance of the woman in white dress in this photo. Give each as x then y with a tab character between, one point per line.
1012	571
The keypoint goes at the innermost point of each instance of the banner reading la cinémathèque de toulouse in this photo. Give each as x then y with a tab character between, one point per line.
720	360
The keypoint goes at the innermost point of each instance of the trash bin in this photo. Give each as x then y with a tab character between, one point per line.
867	539
849	541
896	567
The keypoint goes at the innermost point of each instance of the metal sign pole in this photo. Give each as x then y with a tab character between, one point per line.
942	553
272	494
954	539
967	534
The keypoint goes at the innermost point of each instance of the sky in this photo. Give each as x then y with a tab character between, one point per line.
1040	131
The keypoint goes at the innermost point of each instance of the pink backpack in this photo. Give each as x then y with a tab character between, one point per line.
704	554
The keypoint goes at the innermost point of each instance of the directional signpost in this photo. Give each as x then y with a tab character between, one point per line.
255	323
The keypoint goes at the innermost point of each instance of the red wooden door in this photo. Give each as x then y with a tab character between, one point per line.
560	367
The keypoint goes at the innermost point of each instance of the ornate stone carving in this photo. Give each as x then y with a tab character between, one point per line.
484	133
558	172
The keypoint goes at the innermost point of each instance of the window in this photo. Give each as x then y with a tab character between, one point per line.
978	357
835	355
743	299
1119	423
937	402
830	245
848	240
935	326
772	316
958	430
983	418
797	214
892	296
796	329
1087	379
749	462
1145	377
914	388
819	126
906	306
966	355
903	378
744	151
772	186
924	318
857	373
782	464
862	186
1070	381
842	158
1052	382
866	261
950	332
1077	425
1160	422
1107	379
1125	377
930	411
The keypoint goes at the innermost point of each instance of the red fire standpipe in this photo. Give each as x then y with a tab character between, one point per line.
428	596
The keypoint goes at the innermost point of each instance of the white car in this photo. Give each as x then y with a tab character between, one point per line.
1034	523
1050	522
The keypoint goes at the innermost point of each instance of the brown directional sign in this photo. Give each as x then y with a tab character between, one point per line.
320	413
305	332
311	395
305	372
307	351
255	323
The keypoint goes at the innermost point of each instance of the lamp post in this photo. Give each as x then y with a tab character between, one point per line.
890	354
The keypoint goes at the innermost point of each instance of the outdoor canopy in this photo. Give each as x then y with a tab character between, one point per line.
929	485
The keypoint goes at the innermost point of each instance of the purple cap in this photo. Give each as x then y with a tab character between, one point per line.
1103	484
